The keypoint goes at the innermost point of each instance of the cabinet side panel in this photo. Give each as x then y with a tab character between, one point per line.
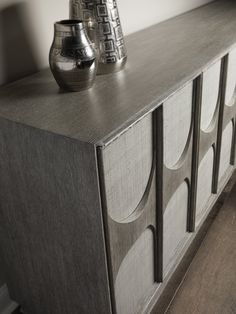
51	231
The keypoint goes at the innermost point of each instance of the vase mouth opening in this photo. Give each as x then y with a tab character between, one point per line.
73	22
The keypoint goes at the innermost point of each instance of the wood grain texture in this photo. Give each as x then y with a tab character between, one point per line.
136	277
210	94
127	166
177	112
231	79
204	186
226	149
51	230
175	226
210	284
170	55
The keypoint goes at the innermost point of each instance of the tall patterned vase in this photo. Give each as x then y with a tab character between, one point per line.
101	18
84	10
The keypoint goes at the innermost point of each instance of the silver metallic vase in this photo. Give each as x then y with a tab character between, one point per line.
72	58
102	22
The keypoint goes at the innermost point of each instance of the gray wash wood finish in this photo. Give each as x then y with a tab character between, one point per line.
65	249
121	236
51	228
161	60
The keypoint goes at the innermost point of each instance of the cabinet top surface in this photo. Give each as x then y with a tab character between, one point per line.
161	59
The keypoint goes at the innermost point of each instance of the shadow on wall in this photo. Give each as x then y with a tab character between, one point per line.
17	58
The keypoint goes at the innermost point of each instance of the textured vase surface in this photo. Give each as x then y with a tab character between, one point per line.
72	57
101	19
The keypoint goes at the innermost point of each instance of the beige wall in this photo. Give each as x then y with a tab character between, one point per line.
26	28
138	14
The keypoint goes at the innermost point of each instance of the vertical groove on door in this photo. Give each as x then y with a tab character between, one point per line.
158	131
197	99
220	124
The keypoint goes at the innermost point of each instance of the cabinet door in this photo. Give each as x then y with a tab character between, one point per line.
130	209
177	157
227	153
210	105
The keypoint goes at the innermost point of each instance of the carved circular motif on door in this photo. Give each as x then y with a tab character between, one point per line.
177	115
231	79
226	148
204	186
136	276
210	94
127	168
175	225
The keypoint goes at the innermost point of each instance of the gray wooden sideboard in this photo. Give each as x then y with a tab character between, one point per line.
102	192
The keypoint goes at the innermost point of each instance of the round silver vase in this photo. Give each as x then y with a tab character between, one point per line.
102	21
72	57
